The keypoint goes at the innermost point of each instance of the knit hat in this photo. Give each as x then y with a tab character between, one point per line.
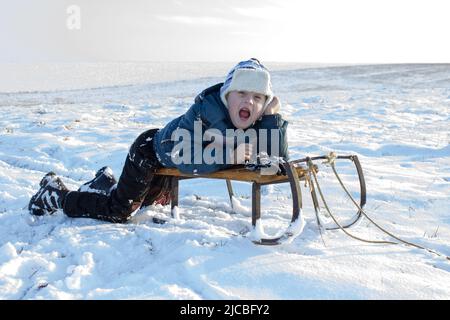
248	75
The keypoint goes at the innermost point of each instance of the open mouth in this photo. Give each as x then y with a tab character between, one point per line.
244	114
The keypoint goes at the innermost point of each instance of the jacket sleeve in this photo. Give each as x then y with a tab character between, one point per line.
279	125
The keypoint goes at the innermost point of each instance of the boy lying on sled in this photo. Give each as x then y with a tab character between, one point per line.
244	102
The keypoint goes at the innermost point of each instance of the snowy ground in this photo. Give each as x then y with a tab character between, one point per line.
396	118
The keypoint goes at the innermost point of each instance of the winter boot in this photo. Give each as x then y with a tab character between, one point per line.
102	183
50	196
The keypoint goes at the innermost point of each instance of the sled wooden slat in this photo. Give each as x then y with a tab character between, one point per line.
237	174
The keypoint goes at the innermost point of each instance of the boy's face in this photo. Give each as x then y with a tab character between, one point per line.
245	107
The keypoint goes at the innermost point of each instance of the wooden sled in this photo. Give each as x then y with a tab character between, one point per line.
294	173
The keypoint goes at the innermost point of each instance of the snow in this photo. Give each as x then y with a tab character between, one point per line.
396	118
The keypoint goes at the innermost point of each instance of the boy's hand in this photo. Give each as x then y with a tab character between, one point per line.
273	107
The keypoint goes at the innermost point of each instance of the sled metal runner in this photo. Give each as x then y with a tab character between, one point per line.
293	173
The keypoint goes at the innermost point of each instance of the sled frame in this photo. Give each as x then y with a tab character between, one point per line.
295	173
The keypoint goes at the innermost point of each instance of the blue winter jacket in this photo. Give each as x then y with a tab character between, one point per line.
213	114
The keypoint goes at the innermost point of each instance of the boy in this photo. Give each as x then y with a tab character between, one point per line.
245	101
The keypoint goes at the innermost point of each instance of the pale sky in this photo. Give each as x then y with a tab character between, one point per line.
339	31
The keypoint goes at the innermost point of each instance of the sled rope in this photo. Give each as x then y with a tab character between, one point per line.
311	167
308	182
330	159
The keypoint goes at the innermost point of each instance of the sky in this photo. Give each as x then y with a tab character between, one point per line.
320	31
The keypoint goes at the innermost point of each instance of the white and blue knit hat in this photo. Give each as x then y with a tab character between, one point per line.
249	75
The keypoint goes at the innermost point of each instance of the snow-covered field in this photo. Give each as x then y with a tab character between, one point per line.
396	118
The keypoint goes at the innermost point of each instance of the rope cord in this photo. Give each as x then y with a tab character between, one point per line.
309	182
331	162
311	167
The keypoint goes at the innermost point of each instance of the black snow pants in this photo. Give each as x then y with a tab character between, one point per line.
137	186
